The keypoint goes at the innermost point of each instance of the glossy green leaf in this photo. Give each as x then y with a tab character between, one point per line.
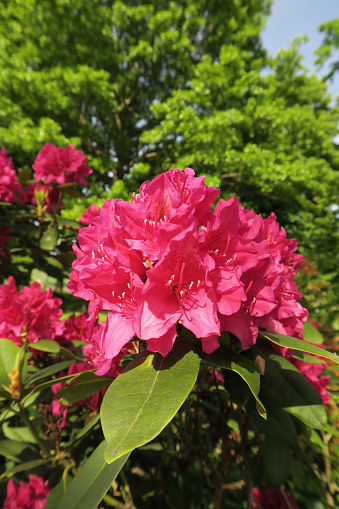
92	481
46	345
8	352
225	358
298	344
277	461
311	334
49	238
284	386
87	385
49	371
145	397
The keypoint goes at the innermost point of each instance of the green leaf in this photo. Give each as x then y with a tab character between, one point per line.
46	345
277	461
298	344
49	383
20	433
144	398
12	449
51	260
311	334
88	384
24	467
279	425
245	368
49	238
57	492
284	386
49	371
301	356
92	482
8	352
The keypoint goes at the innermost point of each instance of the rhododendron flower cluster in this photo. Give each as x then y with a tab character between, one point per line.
167	259
29	314
10	188
61	165
31	495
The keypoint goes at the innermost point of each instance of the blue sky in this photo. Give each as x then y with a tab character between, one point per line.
290	18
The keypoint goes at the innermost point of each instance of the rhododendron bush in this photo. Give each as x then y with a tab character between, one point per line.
182	339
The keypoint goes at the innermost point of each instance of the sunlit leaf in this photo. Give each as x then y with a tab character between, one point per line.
145	397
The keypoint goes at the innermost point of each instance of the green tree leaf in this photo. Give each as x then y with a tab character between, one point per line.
298	344
311	334
24	467
49	371
13	449
46	345
279	425
83	388
92	482
285	387
145	397
239	364
301	356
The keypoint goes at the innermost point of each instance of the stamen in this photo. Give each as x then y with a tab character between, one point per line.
148	263
181	275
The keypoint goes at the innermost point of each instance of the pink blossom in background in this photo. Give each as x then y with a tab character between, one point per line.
167	258
75	328
272	498
89	213
10	188
31	495
61	165
29	312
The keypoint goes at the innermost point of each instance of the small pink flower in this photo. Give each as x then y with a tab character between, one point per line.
10	188
61	165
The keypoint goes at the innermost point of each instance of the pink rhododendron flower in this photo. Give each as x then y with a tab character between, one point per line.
89	213
273	498
30	313
10	188
61	165
167	259
31	495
